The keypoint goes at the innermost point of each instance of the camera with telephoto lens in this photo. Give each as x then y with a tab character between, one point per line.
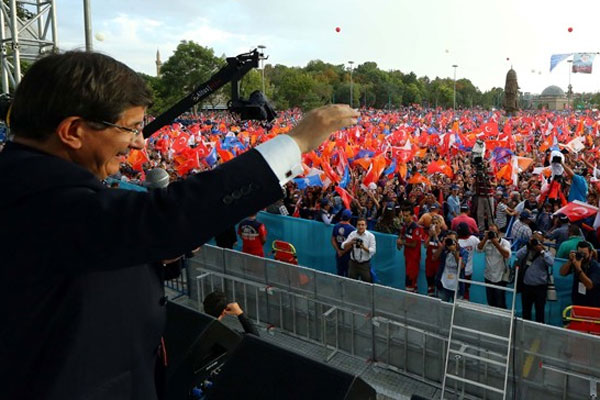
579	256
556	159
449	242
491	235
358	243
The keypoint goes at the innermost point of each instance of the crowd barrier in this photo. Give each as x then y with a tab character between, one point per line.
395	329
312	241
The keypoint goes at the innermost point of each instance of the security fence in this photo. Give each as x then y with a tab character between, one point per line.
398	330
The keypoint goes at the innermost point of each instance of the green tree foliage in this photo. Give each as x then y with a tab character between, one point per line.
316	84
188	67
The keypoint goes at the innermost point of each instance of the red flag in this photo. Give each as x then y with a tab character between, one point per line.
346	198
330	172
180	143
162	145
577	210
490	129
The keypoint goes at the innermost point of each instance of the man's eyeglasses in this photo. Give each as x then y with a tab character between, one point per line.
124	128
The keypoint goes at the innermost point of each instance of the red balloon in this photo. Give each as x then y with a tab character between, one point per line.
338	29
570	29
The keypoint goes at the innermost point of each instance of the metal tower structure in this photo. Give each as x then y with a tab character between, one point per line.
28	29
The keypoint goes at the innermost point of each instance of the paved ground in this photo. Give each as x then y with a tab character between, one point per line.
387	383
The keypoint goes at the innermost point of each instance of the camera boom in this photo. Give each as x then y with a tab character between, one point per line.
257	107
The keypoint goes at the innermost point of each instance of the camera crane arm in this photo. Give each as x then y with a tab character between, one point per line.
233	72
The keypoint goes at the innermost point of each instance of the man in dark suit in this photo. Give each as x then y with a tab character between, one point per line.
81	279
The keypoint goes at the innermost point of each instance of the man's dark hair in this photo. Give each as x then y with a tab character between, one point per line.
584	245
215	303
361	219
574	230
90	85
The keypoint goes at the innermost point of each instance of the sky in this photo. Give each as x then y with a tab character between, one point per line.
483	37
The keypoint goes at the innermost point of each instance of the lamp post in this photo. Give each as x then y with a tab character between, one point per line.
569	88
262	61
351	83
454	97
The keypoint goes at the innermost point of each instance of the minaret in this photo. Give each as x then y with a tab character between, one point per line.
158	63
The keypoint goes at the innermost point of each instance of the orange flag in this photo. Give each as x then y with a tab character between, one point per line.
418	178
374	172
136	159
363	162
441	167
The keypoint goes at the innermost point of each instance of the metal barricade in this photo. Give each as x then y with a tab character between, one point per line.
394	329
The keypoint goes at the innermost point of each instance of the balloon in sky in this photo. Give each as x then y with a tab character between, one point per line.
338	29
99	37
447	51
507	58
570	29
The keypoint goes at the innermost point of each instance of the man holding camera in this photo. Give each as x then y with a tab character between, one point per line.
451	257
533	261
586	283
497	252
362	248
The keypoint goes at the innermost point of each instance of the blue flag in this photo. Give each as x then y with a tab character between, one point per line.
211	158
365	153
391	169
557	58
313	180
345	179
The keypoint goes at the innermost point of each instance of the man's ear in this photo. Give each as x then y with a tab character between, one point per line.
71	131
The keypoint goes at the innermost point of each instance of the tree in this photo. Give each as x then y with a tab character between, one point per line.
188	67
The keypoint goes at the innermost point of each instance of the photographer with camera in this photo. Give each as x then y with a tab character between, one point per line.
497	253
569	245
362	248
586	283
451	257
533	261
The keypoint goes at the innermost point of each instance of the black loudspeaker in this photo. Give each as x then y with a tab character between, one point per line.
263	371
195	344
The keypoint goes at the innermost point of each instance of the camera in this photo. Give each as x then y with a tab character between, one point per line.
358	243
449	242
556	159
491	235
579	256
534	242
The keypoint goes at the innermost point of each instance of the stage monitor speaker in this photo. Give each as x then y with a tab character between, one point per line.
194	342
263	371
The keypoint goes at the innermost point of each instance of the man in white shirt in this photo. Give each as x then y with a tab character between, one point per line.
497	253
468	242
363	249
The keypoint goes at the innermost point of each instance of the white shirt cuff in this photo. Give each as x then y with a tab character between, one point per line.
283	156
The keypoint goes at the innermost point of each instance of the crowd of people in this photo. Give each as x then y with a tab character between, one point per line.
414	173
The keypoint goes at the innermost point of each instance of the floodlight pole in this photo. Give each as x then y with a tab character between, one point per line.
87	22
454	96
351	84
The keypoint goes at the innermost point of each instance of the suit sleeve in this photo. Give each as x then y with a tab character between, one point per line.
108	229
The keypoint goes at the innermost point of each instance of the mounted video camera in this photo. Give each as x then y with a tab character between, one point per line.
478	153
